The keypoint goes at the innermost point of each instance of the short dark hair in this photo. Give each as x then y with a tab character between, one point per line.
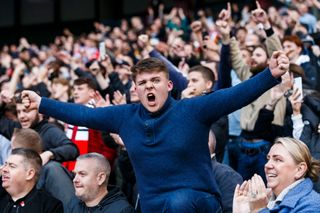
102	165
205	71
31	157
28	138
149	65
261	46
84	80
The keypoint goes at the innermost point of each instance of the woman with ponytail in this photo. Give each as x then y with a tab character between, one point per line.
290	171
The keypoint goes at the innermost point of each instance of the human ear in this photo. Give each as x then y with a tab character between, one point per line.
209	85
101	177
30	174
301	170
170	85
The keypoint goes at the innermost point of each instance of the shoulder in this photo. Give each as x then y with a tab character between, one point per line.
303	197
47	128
115	201
75	205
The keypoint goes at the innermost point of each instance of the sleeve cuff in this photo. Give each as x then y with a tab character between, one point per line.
269	32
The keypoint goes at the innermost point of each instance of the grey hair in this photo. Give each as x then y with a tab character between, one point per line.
102	164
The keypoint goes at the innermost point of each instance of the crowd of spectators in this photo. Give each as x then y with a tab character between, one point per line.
204	52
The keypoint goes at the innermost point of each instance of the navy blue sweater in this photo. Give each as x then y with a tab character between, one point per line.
169	148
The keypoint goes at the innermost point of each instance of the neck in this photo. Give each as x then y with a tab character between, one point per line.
97	198
20	194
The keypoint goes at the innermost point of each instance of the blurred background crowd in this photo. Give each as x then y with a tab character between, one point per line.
92	67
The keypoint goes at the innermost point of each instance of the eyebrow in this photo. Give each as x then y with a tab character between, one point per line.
274	156
10	164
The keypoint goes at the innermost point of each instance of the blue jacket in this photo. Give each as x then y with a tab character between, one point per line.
168	149
300	199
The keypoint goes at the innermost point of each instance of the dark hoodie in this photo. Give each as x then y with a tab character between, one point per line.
114	202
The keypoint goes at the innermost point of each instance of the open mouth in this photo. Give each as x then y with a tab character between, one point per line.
24	123
254	64
151	97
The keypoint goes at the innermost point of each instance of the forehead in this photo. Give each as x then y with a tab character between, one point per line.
289	43
280	150
21	107
195	75
259	50
15	159
86	165
82	86
149	75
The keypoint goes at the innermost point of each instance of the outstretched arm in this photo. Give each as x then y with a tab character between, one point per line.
231	99
105	119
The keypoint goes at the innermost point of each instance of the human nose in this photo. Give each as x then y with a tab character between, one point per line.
268	165
21	115
76	179
3	169
149	84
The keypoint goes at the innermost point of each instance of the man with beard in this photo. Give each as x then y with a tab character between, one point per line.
56	145
248	155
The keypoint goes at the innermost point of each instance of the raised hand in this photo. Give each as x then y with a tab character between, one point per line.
225	14
275	95
258	194
279	64
30	99
143	42
296	102
196	26
260	16
99	101
241	198
189	92
119	98
224	28
6	96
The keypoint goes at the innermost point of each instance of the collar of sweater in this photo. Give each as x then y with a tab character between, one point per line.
166	105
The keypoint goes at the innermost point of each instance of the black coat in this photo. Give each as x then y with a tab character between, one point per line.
36	201
114	202
53	138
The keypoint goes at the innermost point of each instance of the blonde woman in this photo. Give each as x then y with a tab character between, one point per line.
290	171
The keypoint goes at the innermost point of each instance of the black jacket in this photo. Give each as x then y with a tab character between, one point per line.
35	202
114	202
53	138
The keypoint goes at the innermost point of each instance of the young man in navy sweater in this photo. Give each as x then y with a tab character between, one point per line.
167	140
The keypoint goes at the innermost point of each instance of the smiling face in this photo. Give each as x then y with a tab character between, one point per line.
153	89
281	169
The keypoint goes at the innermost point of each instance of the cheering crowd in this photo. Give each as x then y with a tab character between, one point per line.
174	111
